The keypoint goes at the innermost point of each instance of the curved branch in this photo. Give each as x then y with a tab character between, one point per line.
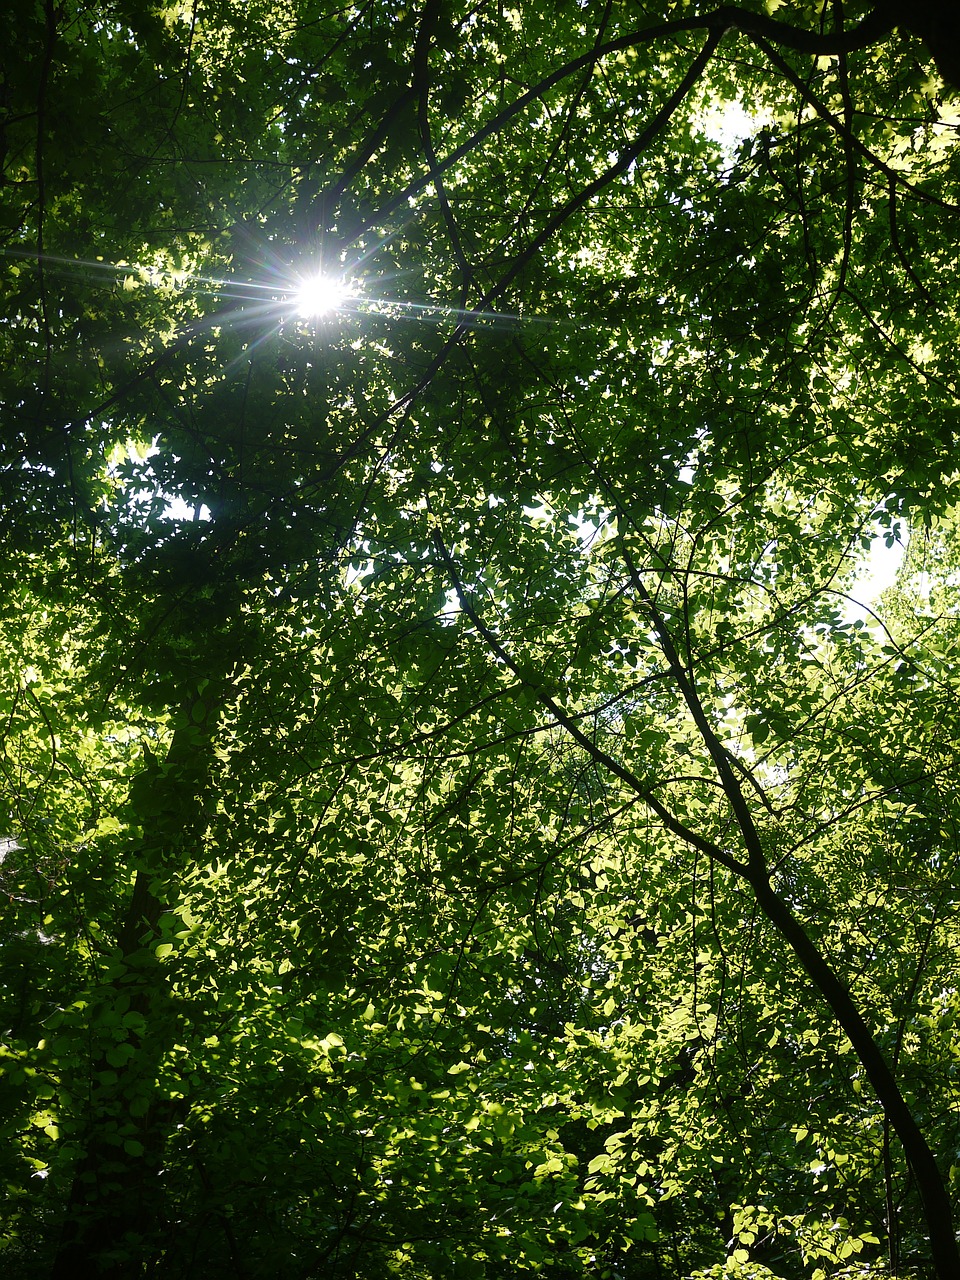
756	873
878	23
421	82
621	165
568	722
824	112
717	22
938	1211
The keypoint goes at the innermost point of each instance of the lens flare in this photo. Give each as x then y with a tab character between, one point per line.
319	295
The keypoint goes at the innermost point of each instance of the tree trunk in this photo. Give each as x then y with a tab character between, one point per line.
112	1210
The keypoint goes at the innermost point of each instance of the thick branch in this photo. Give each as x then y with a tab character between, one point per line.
938	1211
717	22
936	1201
818	44
850	139
568	722
718	753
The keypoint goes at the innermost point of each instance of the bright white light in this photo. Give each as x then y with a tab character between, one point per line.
319	295
731	123
876	570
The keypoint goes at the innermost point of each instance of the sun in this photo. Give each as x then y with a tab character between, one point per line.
319	295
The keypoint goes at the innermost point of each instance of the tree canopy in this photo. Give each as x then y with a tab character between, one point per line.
465	810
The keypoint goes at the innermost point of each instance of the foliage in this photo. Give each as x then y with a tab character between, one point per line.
458	819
